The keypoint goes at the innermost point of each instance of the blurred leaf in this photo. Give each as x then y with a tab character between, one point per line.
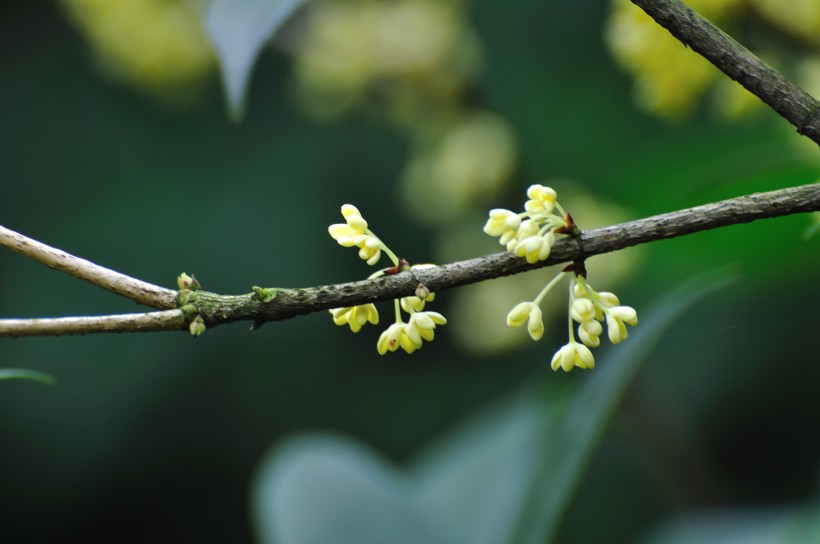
238	29
476	480
508	475
569	448
324	489
812	231
23	374
762	526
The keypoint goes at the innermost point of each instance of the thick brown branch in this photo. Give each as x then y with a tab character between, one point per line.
292	302
737	62
217	309
133	289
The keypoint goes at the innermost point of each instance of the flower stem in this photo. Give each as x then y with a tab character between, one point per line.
549	286
386	249
398	310
569	314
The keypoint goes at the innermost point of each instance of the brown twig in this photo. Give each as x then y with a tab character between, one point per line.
131	288
167	320
217	309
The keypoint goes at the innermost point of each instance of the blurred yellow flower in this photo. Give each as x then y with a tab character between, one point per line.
669	77
352	47
464	165
571	355
797	17
155	45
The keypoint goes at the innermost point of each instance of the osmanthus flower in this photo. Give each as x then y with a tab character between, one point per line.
589	329
587	308
503	223
536	248
399	335
425	323
607	305
529	313
354	232
541	200
530	234
527	229
571	355
615	322
414	303
421	324
356	316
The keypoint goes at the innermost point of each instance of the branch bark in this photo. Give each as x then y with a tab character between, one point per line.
133	289
167	320
217	309
787	99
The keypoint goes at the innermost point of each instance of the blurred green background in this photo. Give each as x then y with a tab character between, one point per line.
157	437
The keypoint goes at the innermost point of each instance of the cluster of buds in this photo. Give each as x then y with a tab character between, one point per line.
531	233
188	286
588	308
354	232
420	324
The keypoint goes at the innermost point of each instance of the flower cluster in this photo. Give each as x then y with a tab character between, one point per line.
354	232
420	324
531	233
409	336
588	308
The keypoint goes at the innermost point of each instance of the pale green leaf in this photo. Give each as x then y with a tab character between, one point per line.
238	29
324	489
25	374
568	450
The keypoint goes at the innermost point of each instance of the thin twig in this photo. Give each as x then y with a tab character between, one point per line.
131	288
166	320
790	101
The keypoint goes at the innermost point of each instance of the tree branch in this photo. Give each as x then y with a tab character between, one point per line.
133	289
737	62
787	99
217	309
167	320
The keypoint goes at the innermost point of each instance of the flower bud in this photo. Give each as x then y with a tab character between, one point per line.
197	326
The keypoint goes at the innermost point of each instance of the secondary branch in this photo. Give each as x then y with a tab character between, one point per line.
737	62
131	288
167	320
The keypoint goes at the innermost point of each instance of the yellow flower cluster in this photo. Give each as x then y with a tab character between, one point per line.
587	307
797	17
351	48
420	326
459	165
531	233
355	233
156	45
409	61
408	336
669	78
